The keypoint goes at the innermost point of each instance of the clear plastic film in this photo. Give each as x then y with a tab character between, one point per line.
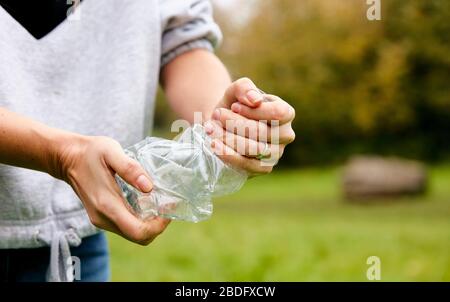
186	175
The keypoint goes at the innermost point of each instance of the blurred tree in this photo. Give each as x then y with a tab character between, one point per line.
357	86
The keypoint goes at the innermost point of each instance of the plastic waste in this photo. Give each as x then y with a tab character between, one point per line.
186	175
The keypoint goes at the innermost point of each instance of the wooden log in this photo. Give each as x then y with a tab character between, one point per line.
370	177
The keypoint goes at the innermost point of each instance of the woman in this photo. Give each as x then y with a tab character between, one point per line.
72	91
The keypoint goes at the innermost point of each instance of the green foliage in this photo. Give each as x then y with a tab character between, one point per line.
293	226
357	86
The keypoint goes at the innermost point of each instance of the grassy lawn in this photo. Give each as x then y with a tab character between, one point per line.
295	226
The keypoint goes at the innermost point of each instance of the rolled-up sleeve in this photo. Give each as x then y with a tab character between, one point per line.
186	25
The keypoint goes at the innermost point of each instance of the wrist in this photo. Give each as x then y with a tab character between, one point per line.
62	149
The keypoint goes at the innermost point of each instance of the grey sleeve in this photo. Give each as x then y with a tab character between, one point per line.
186	25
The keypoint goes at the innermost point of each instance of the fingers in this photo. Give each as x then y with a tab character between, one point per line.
255	130
276	110
127	224
92	178
140	231
245	146
244	91
127	168
240	125
252	166
111	214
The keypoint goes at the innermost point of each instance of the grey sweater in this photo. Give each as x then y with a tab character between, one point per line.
95	76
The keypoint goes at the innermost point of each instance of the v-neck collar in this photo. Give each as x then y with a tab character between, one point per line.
39	17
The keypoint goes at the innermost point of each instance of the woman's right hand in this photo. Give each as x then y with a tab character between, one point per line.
89	164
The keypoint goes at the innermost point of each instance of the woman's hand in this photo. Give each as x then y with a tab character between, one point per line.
251	129
89	164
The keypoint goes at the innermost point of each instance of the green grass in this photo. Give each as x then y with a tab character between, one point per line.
295	226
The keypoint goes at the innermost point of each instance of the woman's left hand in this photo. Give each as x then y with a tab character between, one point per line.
250	130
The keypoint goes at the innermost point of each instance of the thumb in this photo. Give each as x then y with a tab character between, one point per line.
245	92
128	169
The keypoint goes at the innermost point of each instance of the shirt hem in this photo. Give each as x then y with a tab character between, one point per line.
15	235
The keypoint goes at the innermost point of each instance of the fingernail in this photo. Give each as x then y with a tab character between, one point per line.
216	114
144	184
254	96
209	128
236	107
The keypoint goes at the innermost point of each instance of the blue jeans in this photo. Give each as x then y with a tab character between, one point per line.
30	265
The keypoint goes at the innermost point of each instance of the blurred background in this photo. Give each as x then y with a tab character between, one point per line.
359	88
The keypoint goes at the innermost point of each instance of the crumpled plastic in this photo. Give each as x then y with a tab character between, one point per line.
186	175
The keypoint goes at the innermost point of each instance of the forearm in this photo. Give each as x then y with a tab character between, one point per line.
195	82
30	144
